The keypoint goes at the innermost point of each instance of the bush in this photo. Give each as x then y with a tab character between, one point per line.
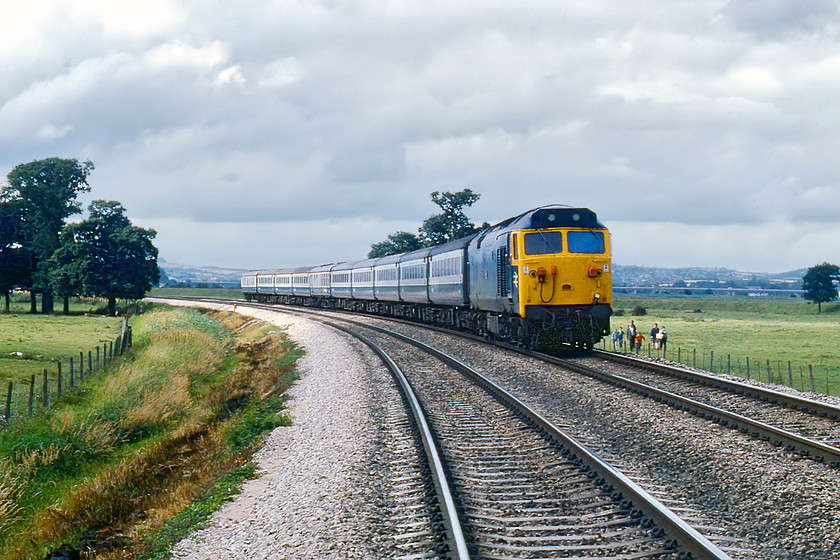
618	313
638	311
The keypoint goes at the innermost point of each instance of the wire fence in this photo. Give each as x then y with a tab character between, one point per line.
26	397
802	377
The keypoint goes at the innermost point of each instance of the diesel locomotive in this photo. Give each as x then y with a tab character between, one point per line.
541	279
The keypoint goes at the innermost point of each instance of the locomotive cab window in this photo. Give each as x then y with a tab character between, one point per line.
586	242
543	243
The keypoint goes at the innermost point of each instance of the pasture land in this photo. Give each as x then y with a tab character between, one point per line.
227	293
779	331
31	343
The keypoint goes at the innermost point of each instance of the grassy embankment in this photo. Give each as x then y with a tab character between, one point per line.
143	451
775	330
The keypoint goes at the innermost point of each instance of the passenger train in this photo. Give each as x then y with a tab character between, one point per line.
541	280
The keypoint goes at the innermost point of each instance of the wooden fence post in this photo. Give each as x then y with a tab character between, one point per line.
9	403
81	365
768	372
59	388
790	374
45	389
111	349
31	394
712	361
72	374
811	374
90	362
98	363
748	367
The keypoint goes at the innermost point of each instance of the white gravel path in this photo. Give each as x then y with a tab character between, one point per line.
306	503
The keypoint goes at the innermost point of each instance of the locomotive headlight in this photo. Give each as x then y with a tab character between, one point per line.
596	297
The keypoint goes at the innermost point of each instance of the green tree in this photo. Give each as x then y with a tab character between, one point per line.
399	242
105	256
46	191
820	284
438	229
452	224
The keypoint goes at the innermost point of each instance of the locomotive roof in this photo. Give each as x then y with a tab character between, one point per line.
553	216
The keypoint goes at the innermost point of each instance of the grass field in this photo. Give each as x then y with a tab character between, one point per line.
30	343
198	292
779	331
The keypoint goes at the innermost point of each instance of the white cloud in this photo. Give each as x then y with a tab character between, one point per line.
178	54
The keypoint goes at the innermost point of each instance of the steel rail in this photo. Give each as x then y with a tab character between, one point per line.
818	451
458	549
778	397
457	543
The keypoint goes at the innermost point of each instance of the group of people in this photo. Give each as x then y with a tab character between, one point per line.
635	338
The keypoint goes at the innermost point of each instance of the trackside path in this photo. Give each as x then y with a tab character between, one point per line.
309	500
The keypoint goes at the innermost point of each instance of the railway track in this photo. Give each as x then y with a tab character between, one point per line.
798	529
809	427
520	485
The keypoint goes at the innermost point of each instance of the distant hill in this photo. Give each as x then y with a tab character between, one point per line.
624	276
641	278
199	276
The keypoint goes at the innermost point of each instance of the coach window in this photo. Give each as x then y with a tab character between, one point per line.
543	243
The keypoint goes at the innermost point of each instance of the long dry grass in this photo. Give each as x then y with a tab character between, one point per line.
137	443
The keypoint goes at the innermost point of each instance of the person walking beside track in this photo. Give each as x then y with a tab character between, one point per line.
663	338
631	334
653	338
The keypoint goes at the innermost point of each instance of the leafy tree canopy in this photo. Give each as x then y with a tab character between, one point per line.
399	242
441	228
820	284
105	256
46	192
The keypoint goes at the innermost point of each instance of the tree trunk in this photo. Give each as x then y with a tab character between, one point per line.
47	303
112	306
8	301
67	305
33	302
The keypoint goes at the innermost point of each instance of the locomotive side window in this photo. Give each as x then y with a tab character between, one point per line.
543	243
586	242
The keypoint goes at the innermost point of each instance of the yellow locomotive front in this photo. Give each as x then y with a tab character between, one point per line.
562	277
561	267
544	278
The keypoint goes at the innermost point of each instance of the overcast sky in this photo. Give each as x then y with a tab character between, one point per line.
260	134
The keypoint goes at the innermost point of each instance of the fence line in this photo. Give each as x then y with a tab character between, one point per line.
776	372
54	385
